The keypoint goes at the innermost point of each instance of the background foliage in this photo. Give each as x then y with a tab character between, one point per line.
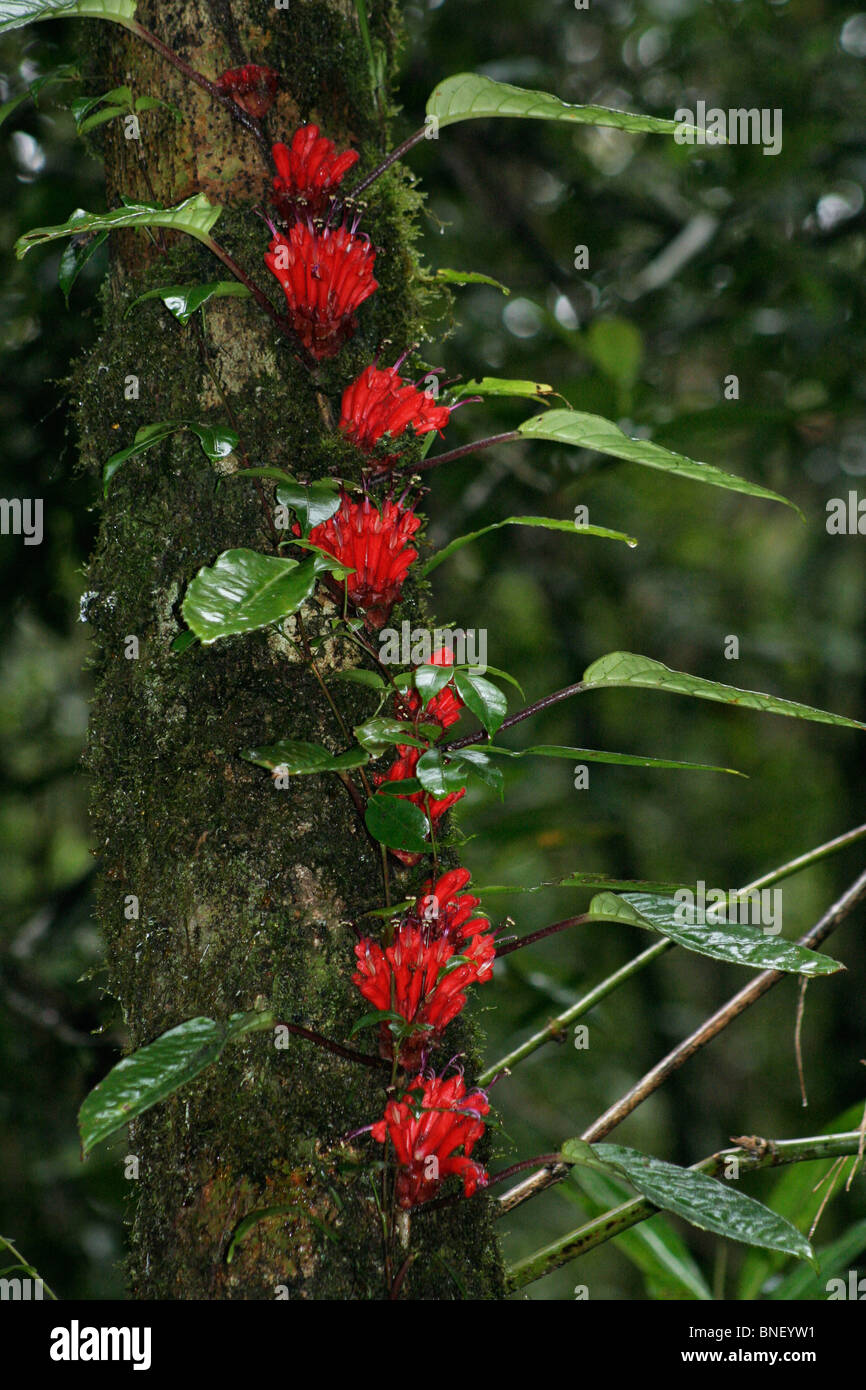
702	264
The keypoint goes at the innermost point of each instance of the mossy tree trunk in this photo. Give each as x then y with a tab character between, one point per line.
245	894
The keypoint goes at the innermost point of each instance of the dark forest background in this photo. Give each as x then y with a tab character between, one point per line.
703	263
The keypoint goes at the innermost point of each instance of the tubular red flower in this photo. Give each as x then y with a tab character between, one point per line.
380	403
326	275
423	978
434	1119
252	87
308	173
446	911
375	545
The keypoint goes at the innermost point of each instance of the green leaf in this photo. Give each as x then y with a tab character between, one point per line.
653	1246
312	503
358	676
183	640
739	945
440	776
216	441
470	277
503	386
397	824
156	1071
75	257
705	1202
14	13
184	300
380	734
468	96
594	432
483	699
592	755
375	1018
195	216
407	786
548	524
584	880
244	591
627	668
429	680
292	757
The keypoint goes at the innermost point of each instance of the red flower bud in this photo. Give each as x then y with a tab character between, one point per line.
252	87
308	172
434	1118
325	275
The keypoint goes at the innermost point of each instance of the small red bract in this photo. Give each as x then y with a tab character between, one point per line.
380	403
434	1119
252	87
308	172
375	544
325	275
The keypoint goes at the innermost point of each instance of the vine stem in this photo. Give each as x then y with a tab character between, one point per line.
482	735
263	302
452	454
633	967
235	111
613	1223
708	1030
348	1053
390	159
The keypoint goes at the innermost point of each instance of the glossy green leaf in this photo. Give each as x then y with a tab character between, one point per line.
312	503
468	96
547	523
184	300
705	1202
396	823
438	775
739	945
245	590
628	669
292	758
470	277
483	699
75	257
14	13
216	441
380	734
585	880
594	432
195	216
157	1070
653	1246
593	755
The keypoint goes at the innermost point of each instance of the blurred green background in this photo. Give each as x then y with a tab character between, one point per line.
702	264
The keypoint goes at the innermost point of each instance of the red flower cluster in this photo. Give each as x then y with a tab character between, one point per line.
375	544
325	274
380	403
436	954
434	1119
252	87
308	173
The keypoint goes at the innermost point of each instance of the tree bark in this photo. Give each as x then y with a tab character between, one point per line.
246	894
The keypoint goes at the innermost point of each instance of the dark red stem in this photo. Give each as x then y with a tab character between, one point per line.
388	161
545	931
465	449
348	1052
482	736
